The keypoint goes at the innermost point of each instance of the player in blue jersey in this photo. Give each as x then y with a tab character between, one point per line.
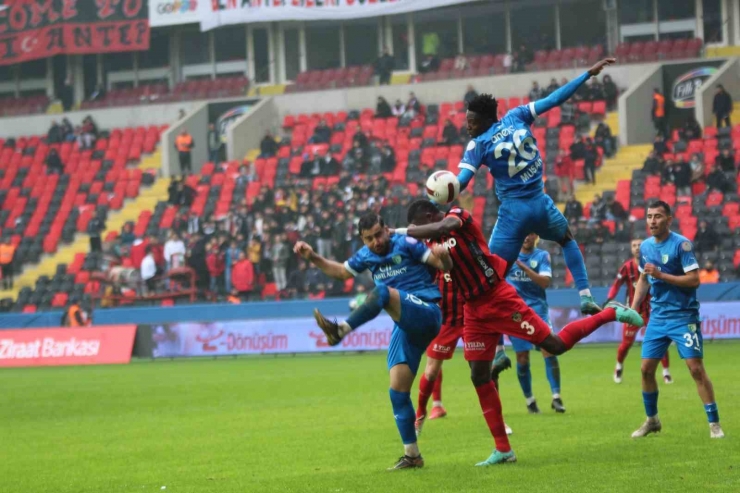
509	150
530	276
669	270
405	288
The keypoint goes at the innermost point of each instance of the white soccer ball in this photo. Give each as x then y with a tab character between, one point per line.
443	187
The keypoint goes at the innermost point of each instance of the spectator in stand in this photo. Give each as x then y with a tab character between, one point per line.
84	139
524	56
321	134
535	92
595	90
726	161
55	134
573	210
268	146
614	210
242	277
682	177
148	270
658	112
231	257
214	144
450	135
706	239
311	166
461	62
384	66
174	251
382	108
590	158
429	64
184	144
568	113
508	62
388	158
326	228
660	146
254	252
611	93
95	228
598	209
127	234
652	165
709	274
690	130
68	130
329	165
604	139
697	168
398	109
359	138
54	163
67	95
470	95
243	178
7	256
722	106
622	233
717	180
413	107
565	171
554	86
216	267
297	281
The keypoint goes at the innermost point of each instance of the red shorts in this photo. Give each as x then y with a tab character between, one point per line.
443	346
499	311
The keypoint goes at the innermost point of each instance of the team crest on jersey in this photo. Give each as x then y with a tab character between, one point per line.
686	246
692	328
396	259
664	258
533	264
517	317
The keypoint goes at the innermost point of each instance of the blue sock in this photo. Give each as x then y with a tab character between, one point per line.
552	370
403	411
525	379
712	412
373	305
576	265
650	399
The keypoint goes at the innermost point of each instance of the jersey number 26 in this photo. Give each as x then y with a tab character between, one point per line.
517	148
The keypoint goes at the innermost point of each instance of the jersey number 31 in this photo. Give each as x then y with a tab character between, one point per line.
517	148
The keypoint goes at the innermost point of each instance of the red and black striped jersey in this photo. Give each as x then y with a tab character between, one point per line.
475	269
452	302
629	275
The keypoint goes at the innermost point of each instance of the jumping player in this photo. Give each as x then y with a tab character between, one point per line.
405	289
531	276
509	150
492	307
669	270
629	274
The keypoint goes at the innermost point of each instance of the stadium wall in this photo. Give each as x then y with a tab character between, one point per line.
561	298
729	76
246	132
196	123
635	122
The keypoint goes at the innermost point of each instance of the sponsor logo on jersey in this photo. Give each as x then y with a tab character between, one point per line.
516	317
503	134
475	346
442	349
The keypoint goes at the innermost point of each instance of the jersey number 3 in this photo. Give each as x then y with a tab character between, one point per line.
517	148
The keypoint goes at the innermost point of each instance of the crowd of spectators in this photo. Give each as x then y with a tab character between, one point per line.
85	135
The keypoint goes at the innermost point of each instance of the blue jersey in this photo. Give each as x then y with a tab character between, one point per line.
530	292
402	268
510	152
673	256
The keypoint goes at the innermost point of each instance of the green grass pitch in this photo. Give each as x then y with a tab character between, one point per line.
323	423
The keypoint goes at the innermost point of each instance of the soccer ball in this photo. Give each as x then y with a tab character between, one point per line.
443	187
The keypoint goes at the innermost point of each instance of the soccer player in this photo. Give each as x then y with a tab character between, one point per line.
509	150
531	276
629	274
669	270
405	289
493	307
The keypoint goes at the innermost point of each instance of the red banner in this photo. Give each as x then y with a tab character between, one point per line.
102	345
31	29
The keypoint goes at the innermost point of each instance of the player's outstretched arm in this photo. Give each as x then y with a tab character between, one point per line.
328	267
614	289
641	290
563	94
433	230
464	177
538	279
688	280
440	258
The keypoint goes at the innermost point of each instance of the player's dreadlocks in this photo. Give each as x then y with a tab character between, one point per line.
485	106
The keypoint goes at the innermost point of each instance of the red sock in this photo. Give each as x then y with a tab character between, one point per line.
622	351
665	361
575	331
490	404
425	392
437	391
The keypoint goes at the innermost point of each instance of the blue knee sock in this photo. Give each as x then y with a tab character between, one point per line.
525	379
403	411
650	399
373	305
576	265
552	370
712	412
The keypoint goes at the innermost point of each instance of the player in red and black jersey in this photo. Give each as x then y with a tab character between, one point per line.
628	275
492	307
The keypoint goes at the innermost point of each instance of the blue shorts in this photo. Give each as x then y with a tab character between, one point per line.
522	346
519	217
660	333
419	325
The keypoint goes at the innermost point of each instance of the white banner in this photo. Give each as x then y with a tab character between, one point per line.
214	13
171	12
301	335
